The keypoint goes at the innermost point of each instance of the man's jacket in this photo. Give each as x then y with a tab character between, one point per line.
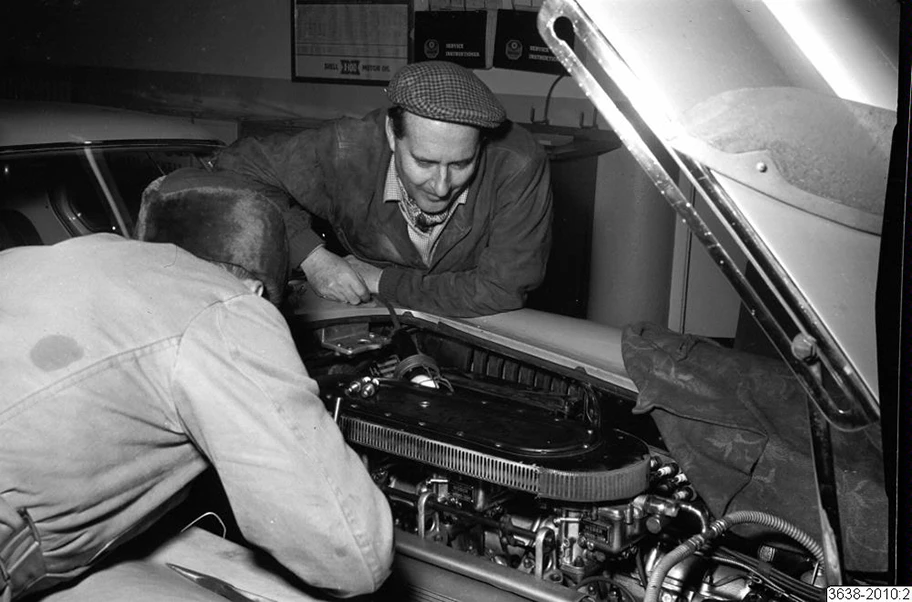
490	255
127	369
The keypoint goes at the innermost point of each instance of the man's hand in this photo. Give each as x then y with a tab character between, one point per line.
370	274
333	278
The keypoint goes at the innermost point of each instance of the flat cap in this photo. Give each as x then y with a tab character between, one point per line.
445	91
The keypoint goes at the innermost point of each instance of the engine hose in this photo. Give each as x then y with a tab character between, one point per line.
700	514
717	528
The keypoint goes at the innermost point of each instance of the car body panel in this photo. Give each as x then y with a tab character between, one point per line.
70	169
42	124
798	181
843	290
573	344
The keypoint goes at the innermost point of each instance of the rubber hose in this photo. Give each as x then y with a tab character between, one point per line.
717	528
700	515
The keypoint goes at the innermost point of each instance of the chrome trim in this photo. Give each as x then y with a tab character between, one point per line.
99	145
827	495
575	486
866	410
414	554
422	513
540	537
105	189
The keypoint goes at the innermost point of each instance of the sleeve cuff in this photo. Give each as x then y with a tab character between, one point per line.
302	245
389	283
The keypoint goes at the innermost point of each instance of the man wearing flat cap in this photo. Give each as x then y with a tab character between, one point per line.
131	366
439	202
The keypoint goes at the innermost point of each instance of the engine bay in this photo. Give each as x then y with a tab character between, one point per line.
494	458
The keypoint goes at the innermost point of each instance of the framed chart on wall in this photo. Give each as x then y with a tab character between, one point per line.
349	41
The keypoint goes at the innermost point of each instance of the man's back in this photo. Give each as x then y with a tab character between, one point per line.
75	305
90	330
126	365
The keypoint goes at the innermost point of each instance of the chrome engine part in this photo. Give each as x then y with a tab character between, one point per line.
541	483
532	450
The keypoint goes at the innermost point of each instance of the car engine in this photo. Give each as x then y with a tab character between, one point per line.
488	458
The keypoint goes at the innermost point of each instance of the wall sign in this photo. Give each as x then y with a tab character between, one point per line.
518	45
455	36
349	41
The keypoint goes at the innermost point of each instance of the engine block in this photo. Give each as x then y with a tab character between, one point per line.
532	478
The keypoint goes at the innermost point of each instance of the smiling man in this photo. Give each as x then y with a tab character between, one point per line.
439	202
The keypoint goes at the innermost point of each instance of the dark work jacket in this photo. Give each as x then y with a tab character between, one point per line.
491	253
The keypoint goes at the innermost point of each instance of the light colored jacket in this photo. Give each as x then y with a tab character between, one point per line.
127	368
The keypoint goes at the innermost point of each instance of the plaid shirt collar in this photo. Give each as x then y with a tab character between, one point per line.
394	191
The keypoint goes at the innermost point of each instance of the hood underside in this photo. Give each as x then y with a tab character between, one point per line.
783	133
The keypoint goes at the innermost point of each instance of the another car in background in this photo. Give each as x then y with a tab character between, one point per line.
72	169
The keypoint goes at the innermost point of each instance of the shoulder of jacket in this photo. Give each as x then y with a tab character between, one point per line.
366	133
372	123
517	147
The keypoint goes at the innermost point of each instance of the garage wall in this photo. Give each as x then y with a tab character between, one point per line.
225	62
203	36
215	53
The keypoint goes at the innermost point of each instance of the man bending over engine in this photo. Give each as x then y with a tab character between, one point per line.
129	367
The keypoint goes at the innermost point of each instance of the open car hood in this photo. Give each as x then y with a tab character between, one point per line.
779	115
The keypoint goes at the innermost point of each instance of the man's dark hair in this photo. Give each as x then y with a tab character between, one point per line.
397	119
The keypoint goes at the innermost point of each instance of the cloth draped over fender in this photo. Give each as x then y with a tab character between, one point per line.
737	424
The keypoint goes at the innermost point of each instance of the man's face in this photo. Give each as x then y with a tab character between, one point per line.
435	160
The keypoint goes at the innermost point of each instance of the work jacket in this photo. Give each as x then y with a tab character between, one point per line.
127	369
490	255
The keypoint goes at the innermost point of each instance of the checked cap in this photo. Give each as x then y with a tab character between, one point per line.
445	91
